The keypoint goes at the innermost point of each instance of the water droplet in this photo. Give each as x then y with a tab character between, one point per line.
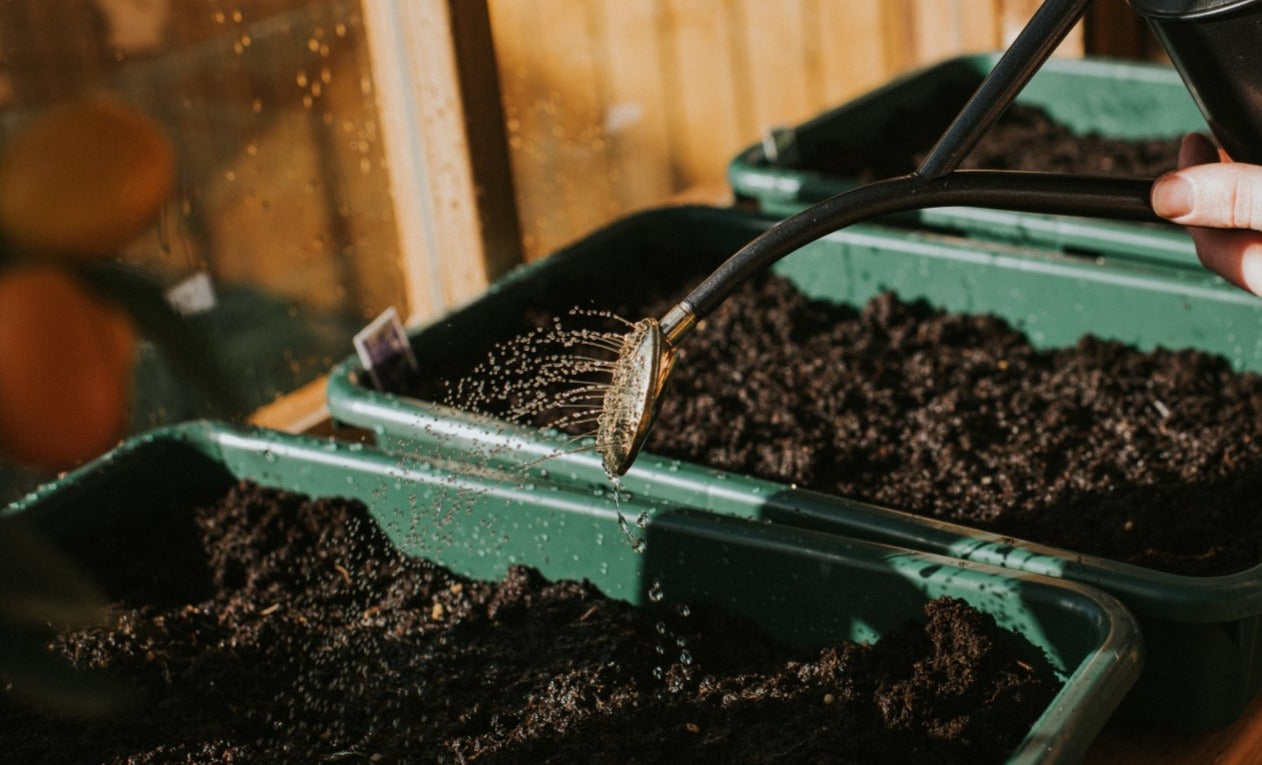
655	591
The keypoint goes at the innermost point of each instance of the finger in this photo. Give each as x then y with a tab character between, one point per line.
1219	195
1197	149
1235	255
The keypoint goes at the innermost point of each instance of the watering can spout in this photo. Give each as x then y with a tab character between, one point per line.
1214	44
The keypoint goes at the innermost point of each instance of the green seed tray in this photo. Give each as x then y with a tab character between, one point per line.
1112	98
1205	651
805	587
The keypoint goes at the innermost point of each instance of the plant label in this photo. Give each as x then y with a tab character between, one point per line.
385	352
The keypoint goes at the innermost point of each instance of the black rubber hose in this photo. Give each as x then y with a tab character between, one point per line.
1052	193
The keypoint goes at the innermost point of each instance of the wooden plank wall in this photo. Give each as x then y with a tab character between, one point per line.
616	105
608	106
438	105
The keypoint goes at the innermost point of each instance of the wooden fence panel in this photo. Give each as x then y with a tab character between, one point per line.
617	105
634	121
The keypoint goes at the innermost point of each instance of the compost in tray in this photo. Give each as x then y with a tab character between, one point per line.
265	626
1025	137
1144	457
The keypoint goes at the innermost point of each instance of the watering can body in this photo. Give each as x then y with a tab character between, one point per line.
1216	45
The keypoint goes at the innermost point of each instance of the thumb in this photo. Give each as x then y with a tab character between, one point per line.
1216	195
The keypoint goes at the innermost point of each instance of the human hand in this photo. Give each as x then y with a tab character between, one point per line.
1221	203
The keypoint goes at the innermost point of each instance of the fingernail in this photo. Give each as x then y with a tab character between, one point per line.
1172	197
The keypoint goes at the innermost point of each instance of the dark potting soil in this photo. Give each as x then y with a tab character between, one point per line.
296	633
1150	458
1025	137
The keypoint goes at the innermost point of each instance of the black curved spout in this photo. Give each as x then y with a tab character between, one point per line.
1052	193
1212	42
1037	40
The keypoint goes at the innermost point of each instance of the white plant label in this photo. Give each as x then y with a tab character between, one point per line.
384	350
194	295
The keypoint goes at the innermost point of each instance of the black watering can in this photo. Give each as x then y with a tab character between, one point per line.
1216	45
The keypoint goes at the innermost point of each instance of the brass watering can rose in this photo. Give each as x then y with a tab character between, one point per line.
639	376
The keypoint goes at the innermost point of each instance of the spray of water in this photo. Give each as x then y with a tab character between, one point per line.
572	379
556	376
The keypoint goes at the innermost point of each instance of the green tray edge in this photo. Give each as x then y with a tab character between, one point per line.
784	191
1061	734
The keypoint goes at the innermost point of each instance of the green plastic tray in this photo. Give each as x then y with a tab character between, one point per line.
853	590
1205	655
1129	100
